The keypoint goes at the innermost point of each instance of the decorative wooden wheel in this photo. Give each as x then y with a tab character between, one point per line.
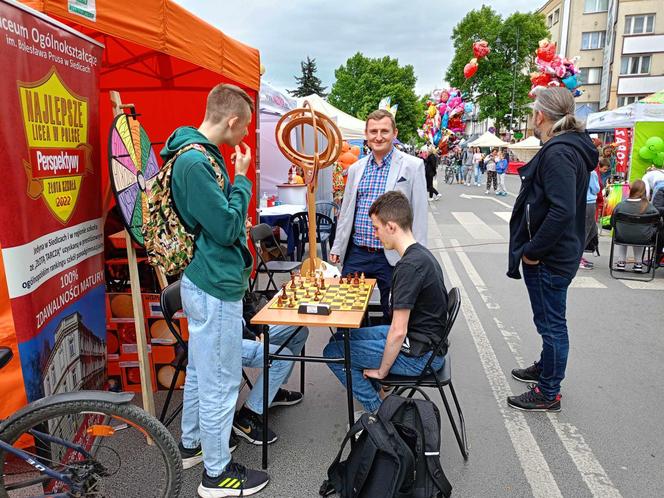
311	164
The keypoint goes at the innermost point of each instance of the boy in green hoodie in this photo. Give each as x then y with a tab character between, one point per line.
213	285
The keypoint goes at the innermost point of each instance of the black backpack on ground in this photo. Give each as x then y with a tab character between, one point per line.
397	454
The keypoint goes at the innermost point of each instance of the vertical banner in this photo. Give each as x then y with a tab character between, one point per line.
644	153
623	138
51	274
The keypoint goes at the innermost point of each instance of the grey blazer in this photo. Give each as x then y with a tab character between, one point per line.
407	176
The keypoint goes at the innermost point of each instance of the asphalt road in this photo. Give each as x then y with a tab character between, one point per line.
607	441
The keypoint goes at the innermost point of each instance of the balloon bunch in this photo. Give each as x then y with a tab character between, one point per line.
480	50
445	119
554	70
653	151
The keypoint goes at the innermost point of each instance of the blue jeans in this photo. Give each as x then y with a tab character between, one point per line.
252	357
366	351
374	265
214	372
548	299
477	173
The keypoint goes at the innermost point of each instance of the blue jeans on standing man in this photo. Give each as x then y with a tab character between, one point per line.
252	357
214	373
548	298
366	351
373	264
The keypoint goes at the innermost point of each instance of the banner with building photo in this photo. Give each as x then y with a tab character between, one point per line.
51	271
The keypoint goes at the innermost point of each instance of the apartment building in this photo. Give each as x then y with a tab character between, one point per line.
620	44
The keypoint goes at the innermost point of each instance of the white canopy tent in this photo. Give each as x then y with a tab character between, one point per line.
526	149
351	128
273	165
487	139
622	117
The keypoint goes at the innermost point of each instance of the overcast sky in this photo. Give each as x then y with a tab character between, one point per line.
414	31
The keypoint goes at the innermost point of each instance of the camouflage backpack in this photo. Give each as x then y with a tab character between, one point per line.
168	244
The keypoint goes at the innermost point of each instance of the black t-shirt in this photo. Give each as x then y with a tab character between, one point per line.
418	285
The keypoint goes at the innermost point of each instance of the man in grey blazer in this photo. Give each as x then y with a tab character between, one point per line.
384	169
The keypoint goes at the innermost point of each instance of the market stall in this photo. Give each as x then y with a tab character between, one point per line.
148	58
487	139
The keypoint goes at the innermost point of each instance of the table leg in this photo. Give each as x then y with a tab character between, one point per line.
349	378
266	384
302	364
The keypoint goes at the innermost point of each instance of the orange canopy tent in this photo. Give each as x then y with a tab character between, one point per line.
163	59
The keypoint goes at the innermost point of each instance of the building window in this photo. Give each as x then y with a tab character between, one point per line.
73	378
629	99
549	21
593	40
636	25
590	76
71	347
637	64
591	6
556	16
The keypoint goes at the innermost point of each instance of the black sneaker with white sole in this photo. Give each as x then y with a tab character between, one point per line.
284	397
192	457
235	480
534	400
528	375
249	425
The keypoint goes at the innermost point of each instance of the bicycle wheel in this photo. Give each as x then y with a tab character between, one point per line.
449	176
102	447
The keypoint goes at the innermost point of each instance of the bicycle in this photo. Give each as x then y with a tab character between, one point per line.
450	173
73	445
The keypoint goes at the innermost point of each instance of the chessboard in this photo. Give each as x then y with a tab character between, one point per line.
350	293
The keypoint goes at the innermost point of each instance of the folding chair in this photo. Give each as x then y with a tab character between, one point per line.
325	232
263	233
439	379
171	303
618	238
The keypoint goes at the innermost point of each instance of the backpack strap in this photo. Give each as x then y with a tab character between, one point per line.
215	165
335	471
430	419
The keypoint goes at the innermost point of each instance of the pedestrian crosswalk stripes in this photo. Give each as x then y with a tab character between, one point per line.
654	285
586	283
504	215
477	228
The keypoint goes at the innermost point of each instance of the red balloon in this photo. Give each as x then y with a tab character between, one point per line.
540	79
470	69
546	50
481	49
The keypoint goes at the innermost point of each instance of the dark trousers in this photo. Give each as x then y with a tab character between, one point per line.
432	191
374	265
548	299
491	177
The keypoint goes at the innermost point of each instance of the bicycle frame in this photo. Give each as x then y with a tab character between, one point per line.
42	468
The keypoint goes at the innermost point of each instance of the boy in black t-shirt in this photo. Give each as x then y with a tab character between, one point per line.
419	309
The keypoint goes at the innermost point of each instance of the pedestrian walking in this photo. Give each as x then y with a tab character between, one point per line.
491	175
468	164
501	171
430	170
547	231
478	158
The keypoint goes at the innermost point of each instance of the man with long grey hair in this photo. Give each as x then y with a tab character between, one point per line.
547	232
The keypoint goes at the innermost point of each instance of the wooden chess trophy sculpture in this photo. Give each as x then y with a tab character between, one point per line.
311	164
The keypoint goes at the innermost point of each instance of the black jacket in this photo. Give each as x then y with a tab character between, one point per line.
548	219
658	201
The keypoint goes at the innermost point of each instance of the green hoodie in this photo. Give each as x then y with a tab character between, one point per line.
222	263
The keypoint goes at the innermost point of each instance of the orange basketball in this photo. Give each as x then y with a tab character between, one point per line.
161	334
165	377
121	306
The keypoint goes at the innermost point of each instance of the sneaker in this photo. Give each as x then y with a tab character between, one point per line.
249	425
585	265
534	401
284	397
486	192
620	266
527	375
235	480
438	197
637	268
191	458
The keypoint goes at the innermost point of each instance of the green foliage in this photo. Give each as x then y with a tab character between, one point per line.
491	87
362	82
308	83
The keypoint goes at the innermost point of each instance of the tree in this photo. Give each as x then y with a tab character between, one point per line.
507	68
308	83
362	82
